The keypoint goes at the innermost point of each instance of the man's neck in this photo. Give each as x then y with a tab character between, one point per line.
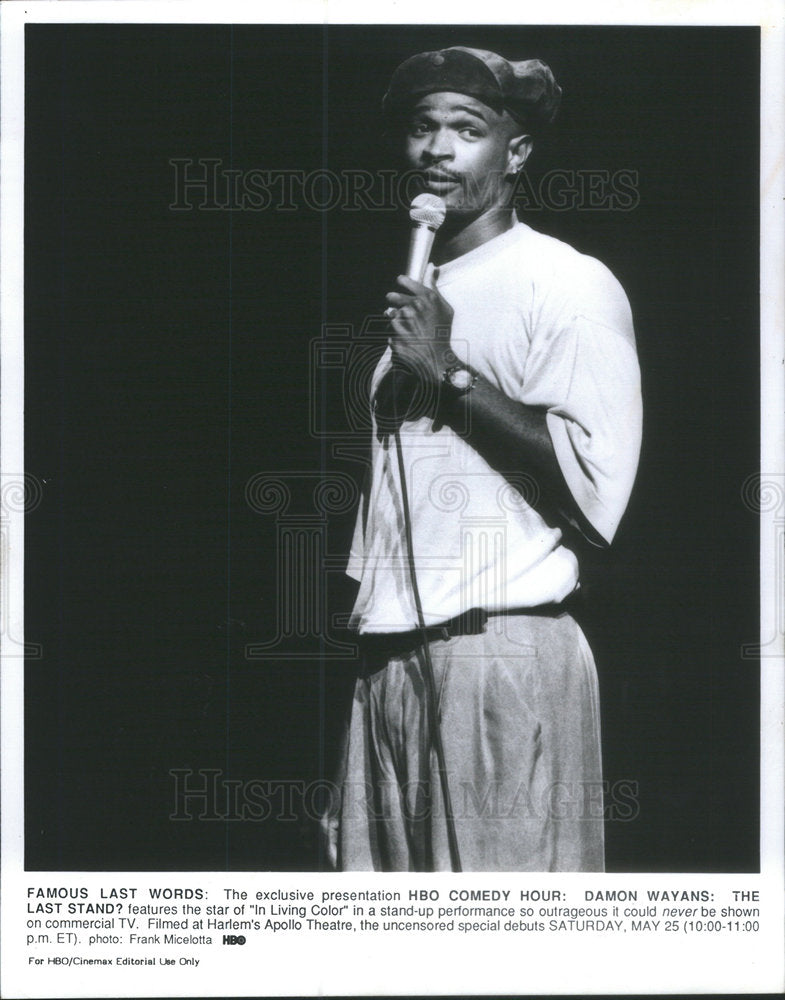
458	236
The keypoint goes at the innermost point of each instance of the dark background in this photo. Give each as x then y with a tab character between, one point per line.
168	363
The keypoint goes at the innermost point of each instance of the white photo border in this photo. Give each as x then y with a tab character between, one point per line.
328	968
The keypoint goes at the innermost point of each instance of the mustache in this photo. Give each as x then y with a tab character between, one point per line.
438	174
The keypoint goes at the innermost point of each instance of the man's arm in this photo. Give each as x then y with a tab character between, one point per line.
507	433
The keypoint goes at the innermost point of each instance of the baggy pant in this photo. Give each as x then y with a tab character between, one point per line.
519	715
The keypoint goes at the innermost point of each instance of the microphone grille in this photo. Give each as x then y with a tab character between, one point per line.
428	210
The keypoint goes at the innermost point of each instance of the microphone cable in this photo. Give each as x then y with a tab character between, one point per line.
426	663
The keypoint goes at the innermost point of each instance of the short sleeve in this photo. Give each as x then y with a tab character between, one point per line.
583	368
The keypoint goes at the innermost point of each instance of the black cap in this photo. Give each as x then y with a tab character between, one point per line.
527	89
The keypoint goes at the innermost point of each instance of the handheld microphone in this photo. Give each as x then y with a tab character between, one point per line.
426	213
399	395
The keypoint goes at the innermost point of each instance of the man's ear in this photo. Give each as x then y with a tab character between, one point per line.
518	151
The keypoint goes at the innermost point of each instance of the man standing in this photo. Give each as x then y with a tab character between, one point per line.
527	431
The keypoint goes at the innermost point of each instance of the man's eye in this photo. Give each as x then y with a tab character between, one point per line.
471	132
418	128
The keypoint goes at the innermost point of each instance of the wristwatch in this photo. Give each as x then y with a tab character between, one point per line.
459	378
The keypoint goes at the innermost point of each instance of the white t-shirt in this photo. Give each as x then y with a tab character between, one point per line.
549	327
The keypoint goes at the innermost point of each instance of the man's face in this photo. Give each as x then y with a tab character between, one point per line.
463	149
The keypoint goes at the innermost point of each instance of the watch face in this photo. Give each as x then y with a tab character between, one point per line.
461	378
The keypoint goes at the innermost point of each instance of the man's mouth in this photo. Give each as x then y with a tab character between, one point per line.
436	180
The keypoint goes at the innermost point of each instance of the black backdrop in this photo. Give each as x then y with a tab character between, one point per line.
169	366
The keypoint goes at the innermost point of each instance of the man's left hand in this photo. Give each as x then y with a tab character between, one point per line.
421	322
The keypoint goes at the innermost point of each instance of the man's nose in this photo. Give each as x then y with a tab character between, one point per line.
439	146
